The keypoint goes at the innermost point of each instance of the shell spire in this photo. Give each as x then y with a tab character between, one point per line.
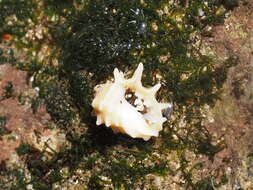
155	88
138	73
128	107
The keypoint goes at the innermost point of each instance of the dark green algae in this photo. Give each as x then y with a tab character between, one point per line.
89	39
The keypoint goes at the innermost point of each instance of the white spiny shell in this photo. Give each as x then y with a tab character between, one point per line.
113	110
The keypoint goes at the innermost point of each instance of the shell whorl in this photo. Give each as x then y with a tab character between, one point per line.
111	107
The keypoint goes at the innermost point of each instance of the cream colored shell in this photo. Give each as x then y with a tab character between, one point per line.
113	110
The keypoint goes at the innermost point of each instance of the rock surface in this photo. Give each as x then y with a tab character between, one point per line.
21	125
233	114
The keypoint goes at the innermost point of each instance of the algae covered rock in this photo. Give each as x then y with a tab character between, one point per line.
62	49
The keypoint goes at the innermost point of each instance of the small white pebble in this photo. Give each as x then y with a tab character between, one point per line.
32	79
37	89
29	187
201	12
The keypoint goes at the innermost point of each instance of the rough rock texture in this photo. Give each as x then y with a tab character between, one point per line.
233	114
19	123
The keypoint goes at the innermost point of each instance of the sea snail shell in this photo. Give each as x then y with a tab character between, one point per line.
140	117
